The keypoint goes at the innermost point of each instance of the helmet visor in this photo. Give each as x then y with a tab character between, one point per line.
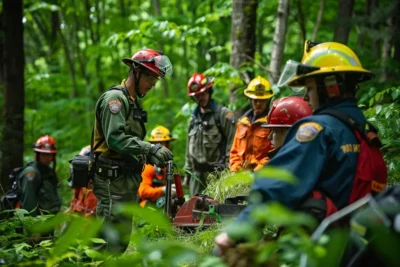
292	69
289	71
163	64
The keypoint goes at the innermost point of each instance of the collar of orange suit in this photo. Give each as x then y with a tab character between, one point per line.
245	120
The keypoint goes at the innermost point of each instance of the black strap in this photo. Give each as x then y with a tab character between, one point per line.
222	146
347	120
217	118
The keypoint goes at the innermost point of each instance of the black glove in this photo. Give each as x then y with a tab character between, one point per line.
159	155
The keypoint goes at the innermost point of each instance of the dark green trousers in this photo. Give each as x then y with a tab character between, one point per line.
116	230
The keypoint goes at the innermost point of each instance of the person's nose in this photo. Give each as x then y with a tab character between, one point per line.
306	97
270	135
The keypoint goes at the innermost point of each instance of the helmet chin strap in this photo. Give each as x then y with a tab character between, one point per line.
209	100
323	96
137	79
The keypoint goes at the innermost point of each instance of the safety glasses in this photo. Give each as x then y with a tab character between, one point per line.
150	78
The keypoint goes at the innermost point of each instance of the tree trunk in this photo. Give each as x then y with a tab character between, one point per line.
68	56
14	95
301	20
156	7
243	37
319	19
344	14
157	12
1	52
396	40
122	8
96	40
388	42
279	40
366	36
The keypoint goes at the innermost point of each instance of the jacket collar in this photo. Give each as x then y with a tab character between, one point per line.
211	107
340	103
246	118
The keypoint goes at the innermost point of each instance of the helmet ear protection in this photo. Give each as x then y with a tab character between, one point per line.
332	87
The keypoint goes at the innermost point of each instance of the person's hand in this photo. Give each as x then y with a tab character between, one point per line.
159	155
185	182
216	165
173	191
223	242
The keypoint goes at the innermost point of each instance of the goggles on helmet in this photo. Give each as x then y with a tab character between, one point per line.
292	69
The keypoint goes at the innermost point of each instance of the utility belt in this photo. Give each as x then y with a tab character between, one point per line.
111	168
210	166
204	167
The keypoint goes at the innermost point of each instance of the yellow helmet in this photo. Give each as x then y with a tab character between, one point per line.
329	57
259	88
160	134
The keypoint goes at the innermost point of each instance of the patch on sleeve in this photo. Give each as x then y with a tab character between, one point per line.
30	176
115	106
308	131
230	116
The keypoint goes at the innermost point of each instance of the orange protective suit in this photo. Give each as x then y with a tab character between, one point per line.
250	145
83	201
151	187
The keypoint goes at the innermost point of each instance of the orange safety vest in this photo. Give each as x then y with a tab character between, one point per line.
250	145
83	201
148	190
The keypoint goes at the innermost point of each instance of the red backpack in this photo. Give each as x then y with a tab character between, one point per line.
371	172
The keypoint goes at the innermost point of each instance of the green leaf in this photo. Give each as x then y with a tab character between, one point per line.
46	243
93	254
98	241
242	231
395	94
276	214
378	109
378	96
152	217
19	247
269	172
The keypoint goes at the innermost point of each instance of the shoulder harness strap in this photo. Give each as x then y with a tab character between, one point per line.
352	124
222	146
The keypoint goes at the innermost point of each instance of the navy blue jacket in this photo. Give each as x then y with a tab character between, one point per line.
322	157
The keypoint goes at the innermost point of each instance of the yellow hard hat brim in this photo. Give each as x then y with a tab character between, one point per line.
254	96
365	75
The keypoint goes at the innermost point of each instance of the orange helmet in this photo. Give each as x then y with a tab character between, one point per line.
45	144
199	83
286	111
151	60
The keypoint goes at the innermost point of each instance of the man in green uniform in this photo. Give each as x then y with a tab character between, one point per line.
118	143
38	181
210	135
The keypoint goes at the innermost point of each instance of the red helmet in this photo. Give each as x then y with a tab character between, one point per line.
152	60
45	144
199	83
286	111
